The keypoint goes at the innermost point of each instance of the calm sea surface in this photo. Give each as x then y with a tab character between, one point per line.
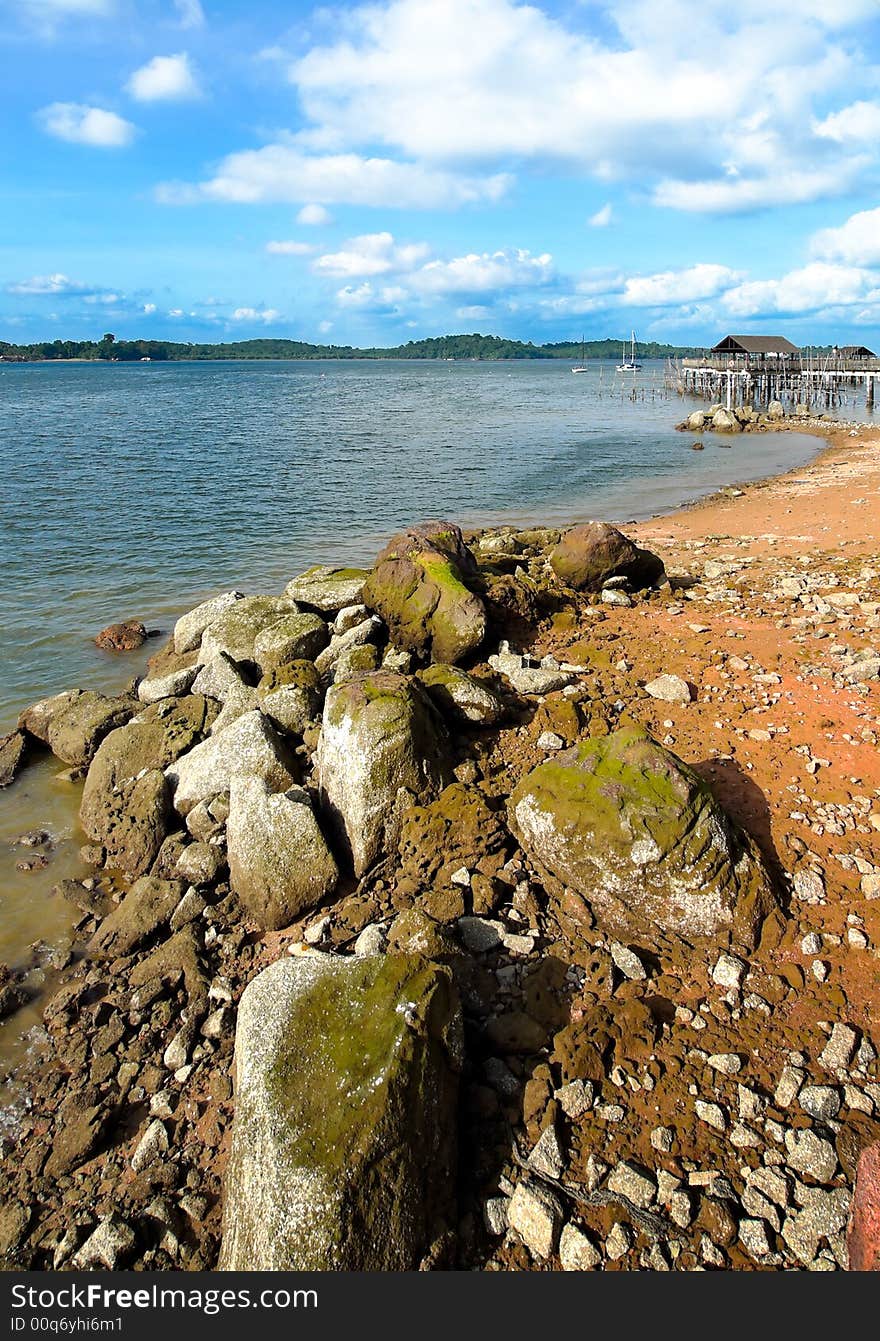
133	491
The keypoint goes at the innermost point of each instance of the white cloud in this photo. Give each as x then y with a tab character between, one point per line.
266	315
812	288
176	312
856	242
735	194
289	248
54	284
602	218
484	272
372	254
361	295
325	326
313	216
678	286
191	13
164	79
80	124
860	122
281	173
638	102
149	309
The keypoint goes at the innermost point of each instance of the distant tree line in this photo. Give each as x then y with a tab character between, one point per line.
483	347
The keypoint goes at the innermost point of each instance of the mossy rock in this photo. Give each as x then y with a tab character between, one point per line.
461	697
328	589
75	732
293	637
419	588
343	1142
635	832
382	746
236	630
356	661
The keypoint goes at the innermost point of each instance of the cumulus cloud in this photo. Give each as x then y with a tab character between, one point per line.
313	216
266	316
79	123
856	242
372	254
282	173
164	79
678	286
812	288
637	102
289	248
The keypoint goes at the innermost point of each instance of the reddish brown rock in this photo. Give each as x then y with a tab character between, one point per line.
864	1225
127	636
590	554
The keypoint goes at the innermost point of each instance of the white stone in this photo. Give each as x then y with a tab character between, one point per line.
152	1145
189	628
838	1051
628	962
535	1215
576	1252
711	1114
669	689
633	1183
248	747
728	971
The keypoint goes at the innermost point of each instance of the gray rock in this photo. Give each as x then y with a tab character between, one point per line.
328	589
108	1246
249	748
535	1215
628	962
381	748
342	1152
294	637
359	636
823	1216
151	1147
189	628
236	630
279	863
576	1252
634	1183
838	1051
811	1155
200	863
670	689
460	696
167	686
546	1156
638	835
820	1101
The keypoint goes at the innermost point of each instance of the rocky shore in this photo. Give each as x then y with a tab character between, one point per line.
513	904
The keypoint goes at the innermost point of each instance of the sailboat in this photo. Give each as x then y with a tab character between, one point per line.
629	364
582	366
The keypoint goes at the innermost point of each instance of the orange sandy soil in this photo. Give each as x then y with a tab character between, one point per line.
788	742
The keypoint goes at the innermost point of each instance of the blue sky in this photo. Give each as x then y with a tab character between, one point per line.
215	169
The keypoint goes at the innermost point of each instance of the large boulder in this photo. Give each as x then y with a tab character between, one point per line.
418	587
639	836
126	802
589	554
294	637
189	628
147	906
343	1142
248	747
382	746
725	421
291	695
74	723
327	589
279	862
236	630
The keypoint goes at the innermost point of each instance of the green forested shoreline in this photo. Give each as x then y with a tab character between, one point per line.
439	347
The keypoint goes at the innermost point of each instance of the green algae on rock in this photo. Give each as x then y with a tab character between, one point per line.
343	1145
327	589
637	834
419	588
382	745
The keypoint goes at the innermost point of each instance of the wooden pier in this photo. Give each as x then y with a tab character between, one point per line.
757	370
